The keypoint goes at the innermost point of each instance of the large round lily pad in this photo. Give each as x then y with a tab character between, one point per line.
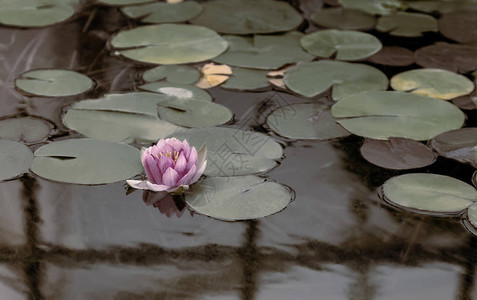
28	129
246	17
193	113
314	78
172	73
374	7
169	44
348	19
15	159
35	13
126	118
452	57
393	56
161	12
264	52
305	121
233	151
397	153
436	83
237	198
246	79
177	90
407	24
457	144
87	161
459	26
346	44
429	193
442	6
384	114
53	83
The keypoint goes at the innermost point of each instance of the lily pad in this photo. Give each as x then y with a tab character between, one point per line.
246	79
53	83
177	90
161	12
434	83
346	44
452	57
233	151
196	113
443	6
457	144
397	154
407	24
28	129
305	121
172	73
429	193
126	118
384	114
468	102
169	44
264	52
393	56
374	7
314	78
87	161
459	26
35	13
213	75
471	221
237	198
246	17
123	2
15	159
348	19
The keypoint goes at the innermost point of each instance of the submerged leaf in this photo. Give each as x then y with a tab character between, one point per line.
452	57
15	159
457	144
160	12
460	26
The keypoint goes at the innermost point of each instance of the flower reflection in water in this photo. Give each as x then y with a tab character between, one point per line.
166	203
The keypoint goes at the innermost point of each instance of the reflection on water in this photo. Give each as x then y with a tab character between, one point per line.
337	240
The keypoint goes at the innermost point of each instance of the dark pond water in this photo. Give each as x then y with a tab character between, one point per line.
337	240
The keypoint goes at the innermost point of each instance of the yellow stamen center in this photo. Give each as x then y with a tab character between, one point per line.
174	155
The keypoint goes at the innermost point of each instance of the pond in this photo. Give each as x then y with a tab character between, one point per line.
341	149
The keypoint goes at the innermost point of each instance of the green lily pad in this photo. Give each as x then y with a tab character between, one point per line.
189	113
35	13
397	154
348	19
374	7
53	83
429	193
407	24
384	114
346	44
459	26
126	118
314	78
161	12
457	144
87	161
237	198
246	17
172	73
305	121
264	52
452	57
123	2
471	221
393	56
443	7
246	79
169	44
177	90
28	129
15	159
434	83
234	152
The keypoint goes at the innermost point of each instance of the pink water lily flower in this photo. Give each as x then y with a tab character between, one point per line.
171	166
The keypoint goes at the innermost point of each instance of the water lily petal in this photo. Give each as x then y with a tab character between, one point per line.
165	163
199	172
175	143
181	164
151	168
202	154
170	177
187	178
137	184
186	149
192	159
156	187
